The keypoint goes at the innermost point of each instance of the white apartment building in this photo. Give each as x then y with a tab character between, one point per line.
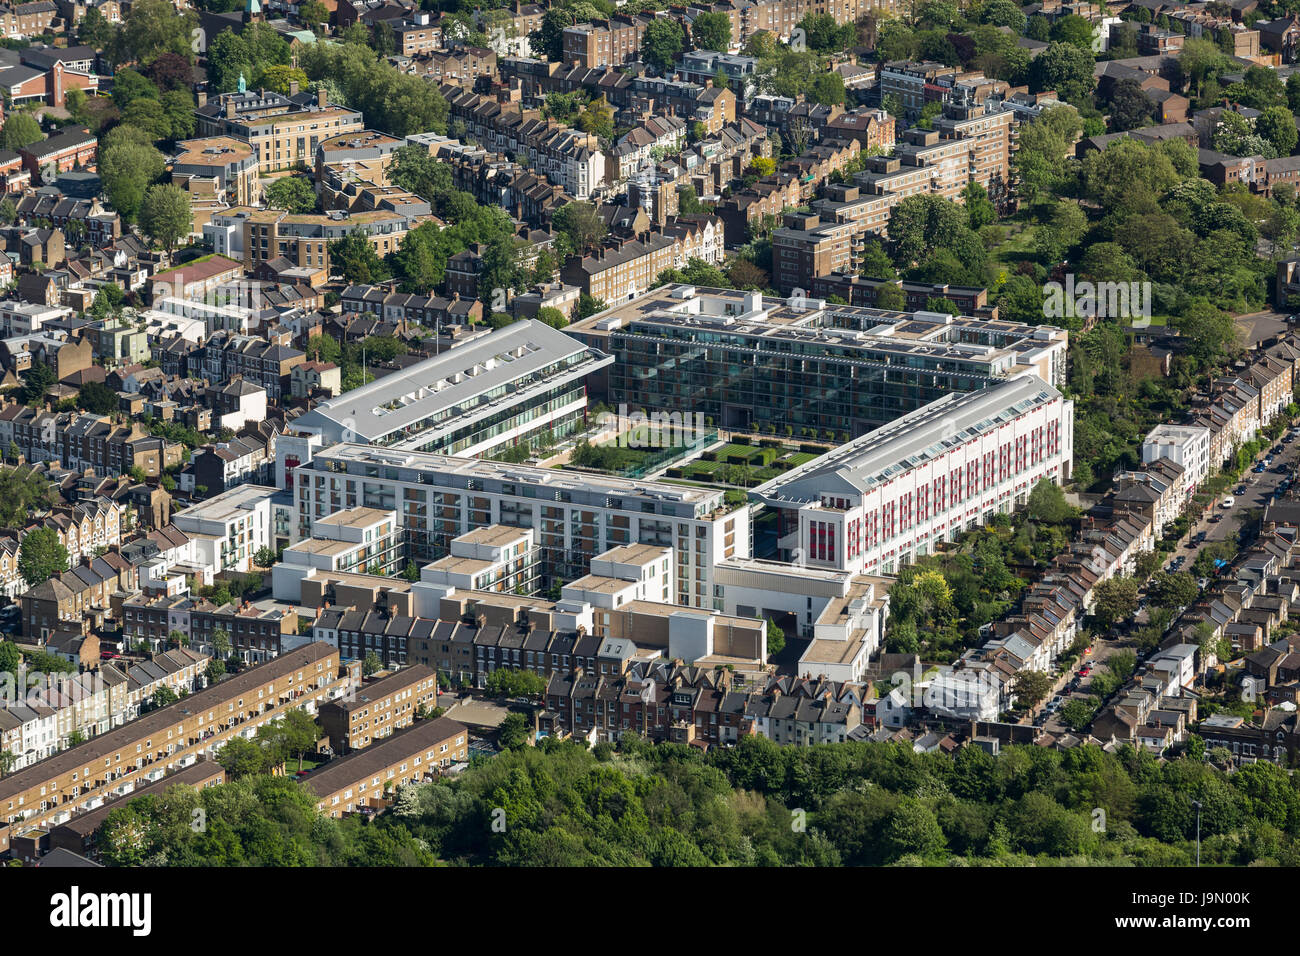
495	558
575	517
1185	445
25	318
499	390
890	496
636	572
229	529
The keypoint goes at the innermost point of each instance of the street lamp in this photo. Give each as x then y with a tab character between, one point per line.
1197	805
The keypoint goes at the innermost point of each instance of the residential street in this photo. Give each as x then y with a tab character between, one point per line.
1217	524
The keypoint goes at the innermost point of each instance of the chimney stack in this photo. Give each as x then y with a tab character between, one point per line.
320	98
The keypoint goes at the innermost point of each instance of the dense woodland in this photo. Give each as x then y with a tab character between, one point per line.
757	804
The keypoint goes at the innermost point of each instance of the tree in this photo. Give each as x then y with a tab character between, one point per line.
1200	60
1277	125
264	557
827	89
662	42
298	734
1130	107
152	28
165	215
355	260
923	223
314	13
1075	30
775	638
21	129
162	697
1115	599
513	732
1003	13
581	224
293	193
221	642
913	829
1173	589
240	757
126	170
123	839
711	31
94	30
280	77
1031	687
371	664
41	556
1077	713
1065	68
1047	503
506	682
552	317
9	657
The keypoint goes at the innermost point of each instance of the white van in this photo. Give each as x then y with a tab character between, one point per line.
1228	502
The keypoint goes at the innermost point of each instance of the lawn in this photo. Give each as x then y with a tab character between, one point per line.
744	465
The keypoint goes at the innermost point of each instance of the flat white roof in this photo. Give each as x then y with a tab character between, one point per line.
461	376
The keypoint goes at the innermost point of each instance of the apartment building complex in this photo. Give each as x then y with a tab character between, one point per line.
749	361
966	145
637	95
576	517
51	792
569	158
229	164
263	363
369	777
891	496
80	440
378	708
258	236
617	40
283	131
504	389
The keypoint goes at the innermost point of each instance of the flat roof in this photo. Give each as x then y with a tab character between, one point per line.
472	468
356	517
228	504
493	535
504	366
740	319
633	553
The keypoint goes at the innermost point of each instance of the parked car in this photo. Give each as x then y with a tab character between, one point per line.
1241	489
